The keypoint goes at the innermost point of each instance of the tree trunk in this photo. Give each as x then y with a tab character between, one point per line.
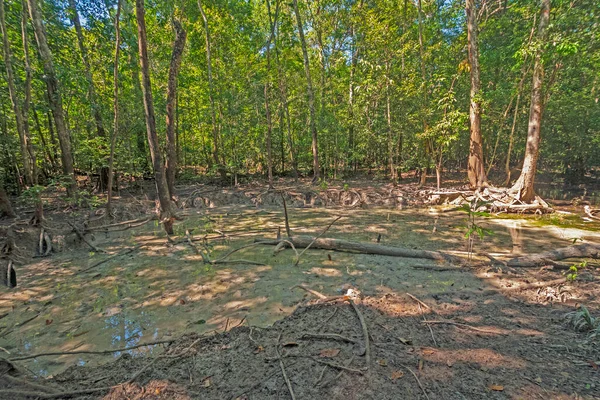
524	185
178	47
388	113
423	178
310	93
269	132
113	139
475	169
10	79
27	100
54	95
157	162
5	207
213	110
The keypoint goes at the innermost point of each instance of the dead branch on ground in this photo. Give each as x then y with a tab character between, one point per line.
587	250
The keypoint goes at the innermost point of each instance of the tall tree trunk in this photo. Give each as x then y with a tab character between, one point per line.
269	132
157	161
310	93
475	168
14	99
113	139
92	98
524	186
178	47
54	96
388	118
211	96
423	178
27	100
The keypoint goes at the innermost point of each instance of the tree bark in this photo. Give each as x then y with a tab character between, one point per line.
547	257
113	139
178	47
157	161
310	93
524	187
476	168
24	138
364	248
423	178
54	96
269	132
213	109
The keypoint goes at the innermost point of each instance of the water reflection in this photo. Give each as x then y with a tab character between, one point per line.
516	236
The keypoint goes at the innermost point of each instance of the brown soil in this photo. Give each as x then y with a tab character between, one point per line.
506	343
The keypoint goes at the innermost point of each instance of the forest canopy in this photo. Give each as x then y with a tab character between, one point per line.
321	88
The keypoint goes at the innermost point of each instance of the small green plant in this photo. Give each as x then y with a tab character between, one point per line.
571	274
346	187
32	195
323	184
473	211
582	321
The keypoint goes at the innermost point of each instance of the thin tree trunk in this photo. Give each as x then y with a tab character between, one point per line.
423	178
48	147
113	139
14	99
213	110
178	47
524	187
27	100
54	96
391	165
511	139
268	138
157	161
475	168
310	93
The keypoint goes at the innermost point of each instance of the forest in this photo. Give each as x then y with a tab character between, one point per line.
410	187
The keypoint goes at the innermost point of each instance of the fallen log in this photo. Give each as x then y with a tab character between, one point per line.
548	257
365	248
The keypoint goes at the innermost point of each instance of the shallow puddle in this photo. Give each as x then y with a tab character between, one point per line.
165	289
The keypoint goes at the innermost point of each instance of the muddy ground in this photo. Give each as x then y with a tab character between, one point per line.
502	342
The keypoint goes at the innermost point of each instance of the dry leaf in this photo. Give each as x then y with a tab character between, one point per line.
182	302
593	365
207	383
405	341
329	352
420	365
427	351
397	375
290	344
497	388
383	363
259	349
49	321
157	391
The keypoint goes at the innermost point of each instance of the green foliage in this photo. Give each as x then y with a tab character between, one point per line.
472	227
582	321
571	275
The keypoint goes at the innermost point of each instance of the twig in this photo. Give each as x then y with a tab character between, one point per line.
363	325
25	382
191	241
82	237
4	350
327	336
63	353
340	373
428	326
260	382
285	377
126	224
418	381
418	301
238	249
329	318
315	239
337	366
314	292
281	243
321	375
27	320
125	252
287	221
473	328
